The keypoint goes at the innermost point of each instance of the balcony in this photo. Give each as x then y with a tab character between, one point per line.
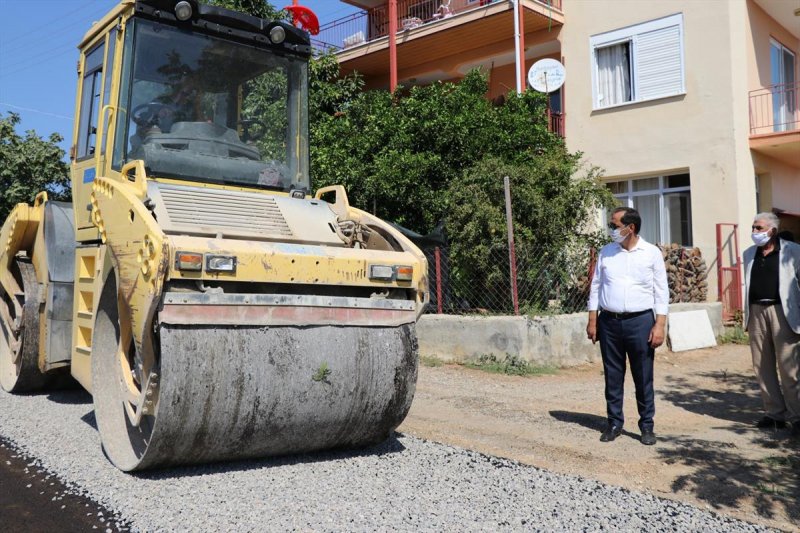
436	40
775	122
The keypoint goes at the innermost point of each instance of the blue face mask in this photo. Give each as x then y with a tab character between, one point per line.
760	239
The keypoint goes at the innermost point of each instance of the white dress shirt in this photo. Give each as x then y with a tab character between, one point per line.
630	281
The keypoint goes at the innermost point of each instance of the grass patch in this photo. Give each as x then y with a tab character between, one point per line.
772	490
322	373
430	361
782	468
780	461
734	335
511	365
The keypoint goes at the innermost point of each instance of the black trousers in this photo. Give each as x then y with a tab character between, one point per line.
621	337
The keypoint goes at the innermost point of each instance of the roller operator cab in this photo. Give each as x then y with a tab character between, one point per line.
213	308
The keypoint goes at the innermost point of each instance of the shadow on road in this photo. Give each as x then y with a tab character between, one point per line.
70	397
389	446
589	421
90	419
736	398
722	474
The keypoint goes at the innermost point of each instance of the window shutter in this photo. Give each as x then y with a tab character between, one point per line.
658	61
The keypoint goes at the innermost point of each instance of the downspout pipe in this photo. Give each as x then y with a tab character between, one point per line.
517	46
392	45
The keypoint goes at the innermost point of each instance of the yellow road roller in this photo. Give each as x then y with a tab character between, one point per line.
213	307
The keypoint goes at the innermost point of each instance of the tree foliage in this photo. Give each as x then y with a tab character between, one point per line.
257	8
29	164
413	154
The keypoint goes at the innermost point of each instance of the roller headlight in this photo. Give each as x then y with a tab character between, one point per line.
381	272
277	35
391	273
220	263
183	10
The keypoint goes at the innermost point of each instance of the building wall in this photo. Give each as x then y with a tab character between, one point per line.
704	131
779	182
762	29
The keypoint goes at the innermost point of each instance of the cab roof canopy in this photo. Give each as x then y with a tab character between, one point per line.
207	19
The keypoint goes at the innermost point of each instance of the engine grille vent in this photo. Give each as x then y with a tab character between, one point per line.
223	211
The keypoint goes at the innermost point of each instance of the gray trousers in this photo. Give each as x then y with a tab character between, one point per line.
776	352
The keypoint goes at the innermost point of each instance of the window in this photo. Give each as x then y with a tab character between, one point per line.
664	203
638	63
614	74
90	102
784	95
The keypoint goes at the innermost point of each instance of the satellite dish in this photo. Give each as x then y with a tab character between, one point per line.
546	75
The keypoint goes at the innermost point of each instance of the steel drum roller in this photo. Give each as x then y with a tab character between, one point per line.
240	392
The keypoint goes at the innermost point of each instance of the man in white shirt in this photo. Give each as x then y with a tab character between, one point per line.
629	287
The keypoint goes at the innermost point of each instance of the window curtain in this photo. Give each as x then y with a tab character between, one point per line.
678	218
614	79
649	209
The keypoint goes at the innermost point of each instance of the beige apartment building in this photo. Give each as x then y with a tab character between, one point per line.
689	106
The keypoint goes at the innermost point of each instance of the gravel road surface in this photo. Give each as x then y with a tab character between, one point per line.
404	484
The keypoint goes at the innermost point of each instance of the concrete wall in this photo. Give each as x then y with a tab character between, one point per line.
551	340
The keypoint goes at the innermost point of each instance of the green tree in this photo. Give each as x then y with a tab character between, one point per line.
552	209
28	165
402	152
257	8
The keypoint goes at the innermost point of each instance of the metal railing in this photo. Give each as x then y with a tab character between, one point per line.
366	26
556	123
774	109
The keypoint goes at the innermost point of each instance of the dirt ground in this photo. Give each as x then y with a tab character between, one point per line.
709	453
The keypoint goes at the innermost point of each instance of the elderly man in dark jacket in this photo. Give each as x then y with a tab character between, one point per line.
772	317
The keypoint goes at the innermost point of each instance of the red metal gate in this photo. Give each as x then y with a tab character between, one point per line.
729	278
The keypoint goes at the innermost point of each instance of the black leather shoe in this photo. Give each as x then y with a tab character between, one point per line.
611	433
648	437
768	422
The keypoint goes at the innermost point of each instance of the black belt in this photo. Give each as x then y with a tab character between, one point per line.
766	302
623	316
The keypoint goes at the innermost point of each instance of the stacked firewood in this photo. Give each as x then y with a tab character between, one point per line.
686	273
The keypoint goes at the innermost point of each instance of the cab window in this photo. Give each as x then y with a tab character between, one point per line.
90	102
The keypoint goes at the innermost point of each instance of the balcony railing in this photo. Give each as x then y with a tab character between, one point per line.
556	123
774	109
366	26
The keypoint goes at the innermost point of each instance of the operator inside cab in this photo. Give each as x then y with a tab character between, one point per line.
199	107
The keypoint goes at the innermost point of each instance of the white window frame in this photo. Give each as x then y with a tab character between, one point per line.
780	46
629	34
626	198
